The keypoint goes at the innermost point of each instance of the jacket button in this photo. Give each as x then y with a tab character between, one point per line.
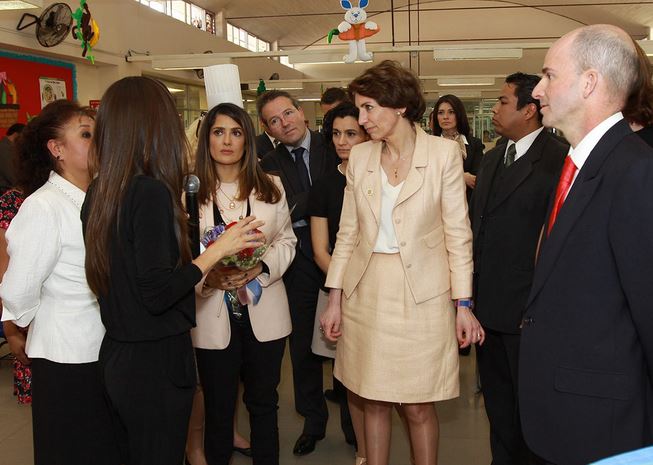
528	321
397	220
403	243
409	265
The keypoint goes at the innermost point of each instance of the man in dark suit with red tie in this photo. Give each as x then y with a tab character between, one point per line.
508	209
586	361
300	159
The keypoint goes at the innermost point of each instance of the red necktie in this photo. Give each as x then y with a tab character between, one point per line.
566	177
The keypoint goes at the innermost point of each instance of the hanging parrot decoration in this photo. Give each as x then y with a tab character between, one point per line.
8	93
86	30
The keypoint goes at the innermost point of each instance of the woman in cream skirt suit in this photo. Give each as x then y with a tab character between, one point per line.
402	262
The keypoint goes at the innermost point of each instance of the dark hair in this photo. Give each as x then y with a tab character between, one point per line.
462	123
34	161
639	105
392	86
138	132
333	95
268	96
15	128
251	176
524	85
341	111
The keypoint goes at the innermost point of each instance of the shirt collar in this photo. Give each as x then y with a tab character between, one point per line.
462	137
69	189
524	144
581	152
306	143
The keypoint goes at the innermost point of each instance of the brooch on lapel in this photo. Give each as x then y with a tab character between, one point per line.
370	191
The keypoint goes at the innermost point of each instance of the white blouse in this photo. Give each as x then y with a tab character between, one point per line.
386	241
45	284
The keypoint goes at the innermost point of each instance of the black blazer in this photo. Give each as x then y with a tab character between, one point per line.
586	361
263	145
281	163
472	163
507	211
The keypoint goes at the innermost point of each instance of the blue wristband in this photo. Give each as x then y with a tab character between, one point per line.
464	303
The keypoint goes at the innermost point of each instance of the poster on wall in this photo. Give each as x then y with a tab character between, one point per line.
51	90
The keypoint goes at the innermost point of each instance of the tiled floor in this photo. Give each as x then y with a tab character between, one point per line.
463	427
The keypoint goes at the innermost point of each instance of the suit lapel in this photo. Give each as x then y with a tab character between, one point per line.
481	194
415	177
289	169
519	171
316	156
371	185
586	183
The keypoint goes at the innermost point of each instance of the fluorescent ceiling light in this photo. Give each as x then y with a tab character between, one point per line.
20	5
174	90
459	53
465	81
315	57
309	99
195	61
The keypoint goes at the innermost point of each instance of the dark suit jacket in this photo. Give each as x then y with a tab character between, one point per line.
508	210
280	162
263	145
586	362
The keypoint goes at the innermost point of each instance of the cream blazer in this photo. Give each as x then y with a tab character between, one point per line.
270	318
430	220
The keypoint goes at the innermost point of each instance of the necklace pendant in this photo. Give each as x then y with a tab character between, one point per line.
232	205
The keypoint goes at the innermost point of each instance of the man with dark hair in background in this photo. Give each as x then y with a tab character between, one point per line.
299	160
7	151
508	209
332	97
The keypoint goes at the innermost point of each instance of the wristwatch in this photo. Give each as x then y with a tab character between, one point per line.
464	303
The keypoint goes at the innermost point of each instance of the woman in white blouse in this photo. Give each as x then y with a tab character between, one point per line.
45	288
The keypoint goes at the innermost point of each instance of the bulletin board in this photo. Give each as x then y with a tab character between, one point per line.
28	73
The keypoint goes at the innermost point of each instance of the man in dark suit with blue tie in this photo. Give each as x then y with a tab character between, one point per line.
586	361
299	159
508	209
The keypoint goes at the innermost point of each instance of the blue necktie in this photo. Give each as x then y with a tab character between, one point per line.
302	171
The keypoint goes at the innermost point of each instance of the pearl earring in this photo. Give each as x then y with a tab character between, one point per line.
398	113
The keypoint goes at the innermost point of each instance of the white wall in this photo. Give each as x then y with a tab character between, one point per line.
127	25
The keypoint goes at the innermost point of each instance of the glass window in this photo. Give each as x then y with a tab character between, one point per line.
178	10
158	5
210	22
230	32
251	43
197	17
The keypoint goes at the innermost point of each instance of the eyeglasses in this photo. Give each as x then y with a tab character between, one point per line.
203	113
276	121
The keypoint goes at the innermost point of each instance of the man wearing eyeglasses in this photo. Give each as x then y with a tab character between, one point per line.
300	159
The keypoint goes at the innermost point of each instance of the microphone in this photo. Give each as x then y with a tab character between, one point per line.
191	188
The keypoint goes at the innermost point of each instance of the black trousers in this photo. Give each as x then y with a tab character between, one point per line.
259	366
150	386
498	359
70	415
303	280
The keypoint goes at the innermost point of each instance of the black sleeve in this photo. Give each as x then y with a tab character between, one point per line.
474	156
317	202
162	282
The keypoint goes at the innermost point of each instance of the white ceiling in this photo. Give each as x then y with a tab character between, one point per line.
304	24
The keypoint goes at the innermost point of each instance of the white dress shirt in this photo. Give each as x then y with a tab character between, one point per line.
581	152
523	144
45	284
386	241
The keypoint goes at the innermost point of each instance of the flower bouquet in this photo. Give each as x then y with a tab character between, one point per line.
244	260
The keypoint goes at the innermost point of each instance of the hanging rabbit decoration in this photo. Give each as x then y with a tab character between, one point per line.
355	28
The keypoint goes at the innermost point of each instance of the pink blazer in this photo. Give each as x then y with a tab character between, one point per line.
270	318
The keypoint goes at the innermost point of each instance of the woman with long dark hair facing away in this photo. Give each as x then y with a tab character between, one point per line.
241	340
45	288
138	263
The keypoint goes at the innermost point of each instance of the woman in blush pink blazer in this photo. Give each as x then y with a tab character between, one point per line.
403	253
231	341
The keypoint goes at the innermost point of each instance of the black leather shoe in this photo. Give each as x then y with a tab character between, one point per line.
246	451
306	444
